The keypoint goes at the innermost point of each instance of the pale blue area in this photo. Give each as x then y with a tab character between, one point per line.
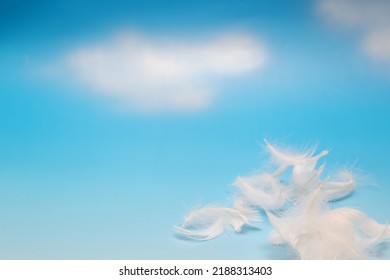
80	180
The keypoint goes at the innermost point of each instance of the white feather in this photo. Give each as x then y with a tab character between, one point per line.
209	222
299	209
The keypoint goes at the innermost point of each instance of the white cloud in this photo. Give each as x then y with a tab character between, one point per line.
371	17
161	74
378	44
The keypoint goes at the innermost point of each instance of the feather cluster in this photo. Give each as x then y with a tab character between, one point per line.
297	202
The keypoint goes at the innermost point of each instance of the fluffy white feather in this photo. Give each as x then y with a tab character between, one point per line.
298	207
209	222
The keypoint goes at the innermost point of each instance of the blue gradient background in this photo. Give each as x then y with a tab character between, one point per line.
79	180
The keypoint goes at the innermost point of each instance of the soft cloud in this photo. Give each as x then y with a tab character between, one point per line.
161	74
378	44
371	17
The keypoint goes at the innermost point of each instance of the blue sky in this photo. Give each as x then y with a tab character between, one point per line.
98	160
